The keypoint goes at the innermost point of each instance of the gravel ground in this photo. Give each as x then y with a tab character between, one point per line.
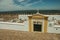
21	35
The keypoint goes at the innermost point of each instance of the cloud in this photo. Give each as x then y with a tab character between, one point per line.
26	2
34	3
7	5
20	0
0	0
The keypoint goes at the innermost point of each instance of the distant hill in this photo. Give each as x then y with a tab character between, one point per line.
47	12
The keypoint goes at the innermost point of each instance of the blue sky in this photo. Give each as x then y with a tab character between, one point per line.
11	5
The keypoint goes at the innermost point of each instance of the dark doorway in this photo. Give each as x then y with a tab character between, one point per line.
38	27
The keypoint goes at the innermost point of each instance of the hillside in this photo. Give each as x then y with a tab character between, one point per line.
20	35
47	12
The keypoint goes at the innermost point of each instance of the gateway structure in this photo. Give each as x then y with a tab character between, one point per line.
37	22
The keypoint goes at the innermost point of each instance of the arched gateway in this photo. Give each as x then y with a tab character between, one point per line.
38	23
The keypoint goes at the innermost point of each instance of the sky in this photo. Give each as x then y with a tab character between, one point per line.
12	5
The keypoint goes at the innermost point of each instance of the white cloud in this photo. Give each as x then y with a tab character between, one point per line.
34	3
0	0
7	5
20	0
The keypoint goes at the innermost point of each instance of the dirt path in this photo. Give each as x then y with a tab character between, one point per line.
19	35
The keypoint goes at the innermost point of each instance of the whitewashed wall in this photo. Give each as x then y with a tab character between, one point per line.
16	26
25	25
52	29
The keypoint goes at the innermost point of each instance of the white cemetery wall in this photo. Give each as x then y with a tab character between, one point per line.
51	27
25	25
16	26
